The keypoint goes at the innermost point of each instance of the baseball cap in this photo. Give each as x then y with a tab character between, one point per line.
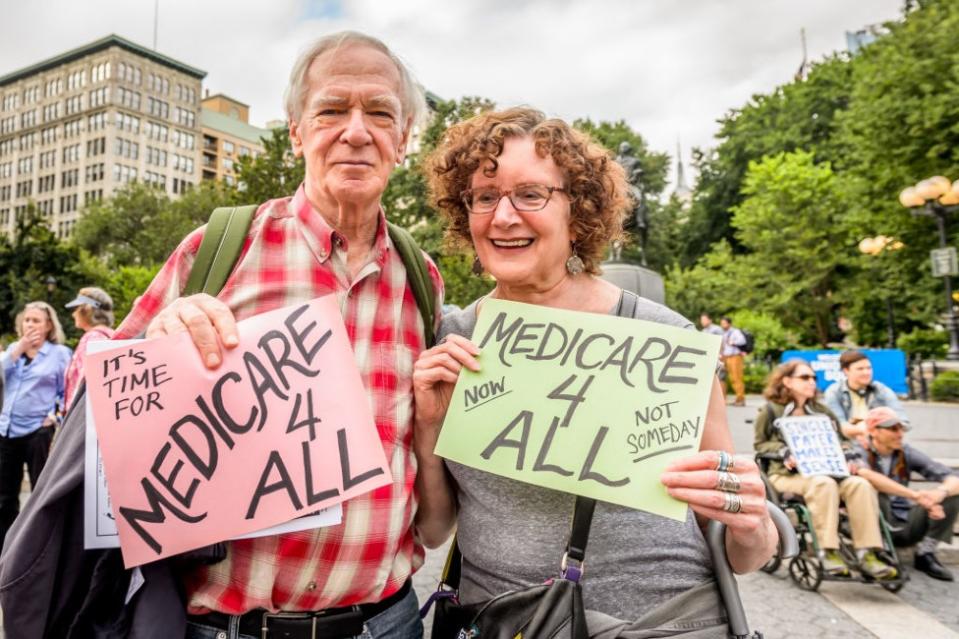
81	300
884	417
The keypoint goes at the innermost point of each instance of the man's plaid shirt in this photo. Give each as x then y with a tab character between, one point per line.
292	255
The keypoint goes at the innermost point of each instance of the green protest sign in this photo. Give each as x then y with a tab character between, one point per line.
589	404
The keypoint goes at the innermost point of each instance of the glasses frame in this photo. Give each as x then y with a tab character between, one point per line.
508	193
805	377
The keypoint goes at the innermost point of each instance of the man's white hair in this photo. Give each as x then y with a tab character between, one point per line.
411	95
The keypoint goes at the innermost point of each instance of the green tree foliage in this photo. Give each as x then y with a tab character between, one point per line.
772	338
27	260
798	115
273	173
790	227
141	225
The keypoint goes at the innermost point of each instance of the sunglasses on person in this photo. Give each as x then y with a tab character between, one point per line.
806	377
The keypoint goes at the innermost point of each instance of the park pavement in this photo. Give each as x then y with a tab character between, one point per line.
774	605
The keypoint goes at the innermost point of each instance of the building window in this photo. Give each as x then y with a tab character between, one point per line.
93	172
5	193
8	125
71	128
48	159
184	140
28	140
70	178
53	87
25	188
46	183
126	149
28	119
130	73
158	108
97	146
6	169
71	153
157	157
68	203
97	121
127	122
129	99
25	165
52	112
11	101
227	164
92	196
185	117
76	80
99	97
100	72
228	147
182	163
123	173
48	135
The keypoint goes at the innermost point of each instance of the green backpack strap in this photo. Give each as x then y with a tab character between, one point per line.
222	242
418	275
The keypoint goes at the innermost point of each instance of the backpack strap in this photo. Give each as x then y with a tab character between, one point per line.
418	275
222	242
627	304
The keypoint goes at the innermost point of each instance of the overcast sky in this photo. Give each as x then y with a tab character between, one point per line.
669	68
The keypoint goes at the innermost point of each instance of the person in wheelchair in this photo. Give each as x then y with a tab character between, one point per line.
920	517
791	390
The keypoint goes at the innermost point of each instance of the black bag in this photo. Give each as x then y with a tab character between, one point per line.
553	609
750	344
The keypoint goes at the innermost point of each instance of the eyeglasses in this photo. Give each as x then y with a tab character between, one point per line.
523	197
806	378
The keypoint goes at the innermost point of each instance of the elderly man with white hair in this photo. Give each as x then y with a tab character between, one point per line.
351	105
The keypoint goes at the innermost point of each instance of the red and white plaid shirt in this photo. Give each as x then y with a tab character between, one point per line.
292	255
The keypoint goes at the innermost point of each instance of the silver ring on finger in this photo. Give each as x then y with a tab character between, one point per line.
729	483
725	462
732	503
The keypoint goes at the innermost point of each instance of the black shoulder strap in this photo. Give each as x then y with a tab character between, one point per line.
418	275
575	547
222	242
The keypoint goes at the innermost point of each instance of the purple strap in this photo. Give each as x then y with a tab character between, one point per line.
573	573
436	596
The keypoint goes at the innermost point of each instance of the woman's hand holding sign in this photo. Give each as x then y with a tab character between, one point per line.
719	486
434	377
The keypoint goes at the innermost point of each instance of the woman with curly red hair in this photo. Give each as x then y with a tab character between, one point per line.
539	202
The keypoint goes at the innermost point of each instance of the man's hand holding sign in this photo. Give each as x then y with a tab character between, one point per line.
281	429
601	406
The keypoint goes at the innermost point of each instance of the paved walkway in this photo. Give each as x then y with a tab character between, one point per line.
923	608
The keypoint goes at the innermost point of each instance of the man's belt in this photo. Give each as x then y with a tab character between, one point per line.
332	623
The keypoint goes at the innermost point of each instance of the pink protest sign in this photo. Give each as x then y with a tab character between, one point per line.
192	456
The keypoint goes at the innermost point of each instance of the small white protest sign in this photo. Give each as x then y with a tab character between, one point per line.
814	444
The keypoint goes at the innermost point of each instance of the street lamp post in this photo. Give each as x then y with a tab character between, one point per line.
51	283
873	246
935	197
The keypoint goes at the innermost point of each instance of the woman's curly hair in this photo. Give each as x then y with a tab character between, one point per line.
594	183
776	390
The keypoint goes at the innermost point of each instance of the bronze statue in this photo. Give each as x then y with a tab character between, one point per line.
634	175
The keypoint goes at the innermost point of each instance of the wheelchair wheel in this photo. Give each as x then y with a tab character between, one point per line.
774	562
806	572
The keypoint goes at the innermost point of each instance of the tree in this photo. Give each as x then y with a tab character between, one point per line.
795	250
800	115
141	225
27	259
274	173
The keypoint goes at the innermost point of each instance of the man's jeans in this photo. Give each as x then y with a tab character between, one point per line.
400	621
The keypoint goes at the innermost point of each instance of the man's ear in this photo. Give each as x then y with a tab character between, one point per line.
295	142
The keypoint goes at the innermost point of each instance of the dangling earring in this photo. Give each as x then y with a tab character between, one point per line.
477	266
574	263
